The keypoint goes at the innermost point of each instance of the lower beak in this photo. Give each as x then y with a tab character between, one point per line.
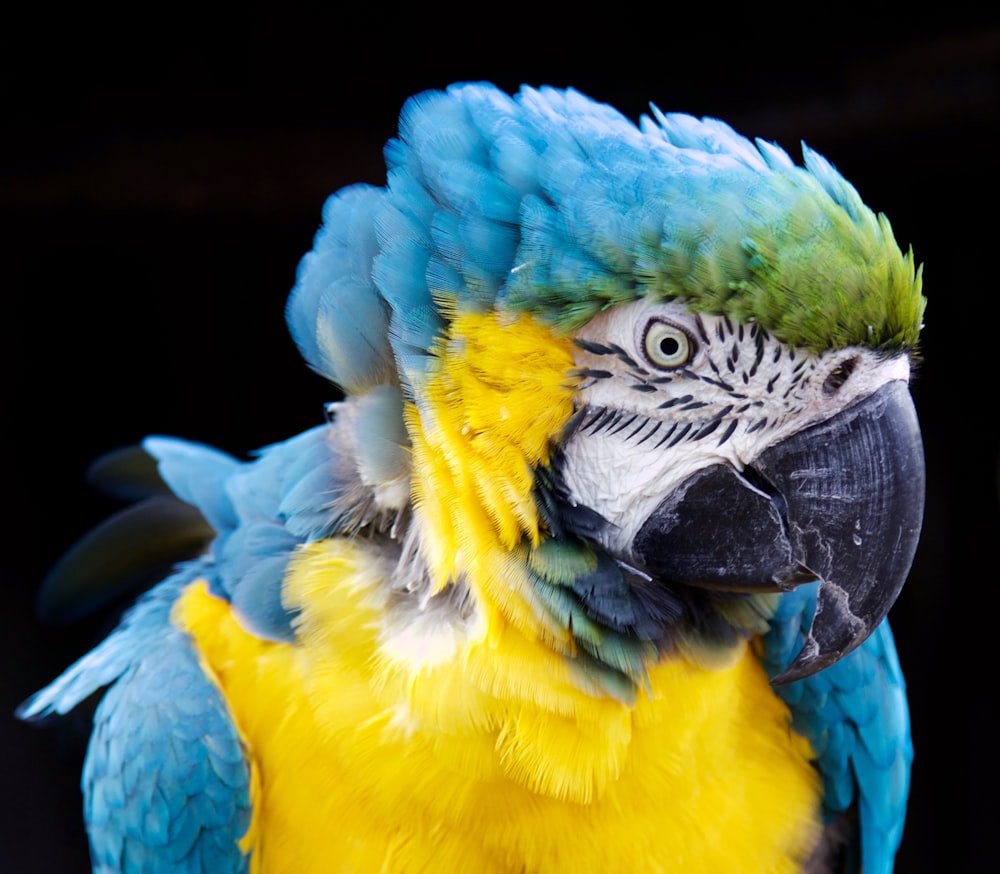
841	502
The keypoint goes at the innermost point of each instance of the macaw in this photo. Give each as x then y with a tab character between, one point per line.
588	569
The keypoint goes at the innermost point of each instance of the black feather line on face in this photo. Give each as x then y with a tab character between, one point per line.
628	421
622	355
656	427
683	399
594	348
666	436
718	383
728	432
601	416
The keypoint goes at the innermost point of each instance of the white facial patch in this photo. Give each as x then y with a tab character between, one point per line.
667	392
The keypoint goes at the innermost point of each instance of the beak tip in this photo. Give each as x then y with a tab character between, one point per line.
810	660
835	631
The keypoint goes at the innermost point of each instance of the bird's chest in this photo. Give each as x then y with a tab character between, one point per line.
481	762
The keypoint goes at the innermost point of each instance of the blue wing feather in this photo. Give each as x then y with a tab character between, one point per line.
196	473
166	779
261	512
855	715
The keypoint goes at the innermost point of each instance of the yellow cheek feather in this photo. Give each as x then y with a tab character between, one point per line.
498	395
459	753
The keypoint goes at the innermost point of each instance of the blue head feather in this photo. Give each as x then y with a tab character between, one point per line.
552	203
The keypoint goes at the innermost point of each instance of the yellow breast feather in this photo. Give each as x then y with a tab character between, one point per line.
481	754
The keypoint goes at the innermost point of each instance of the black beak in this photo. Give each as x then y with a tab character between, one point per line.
841	502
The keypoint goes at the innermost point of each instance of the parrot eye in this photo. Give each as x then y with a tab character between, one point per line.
666	346
839	375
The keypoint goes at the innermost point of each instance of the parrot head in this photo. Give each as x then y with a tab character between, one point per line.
617	387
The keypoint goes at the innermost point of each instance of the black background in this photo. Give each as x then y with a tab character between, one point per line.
162	170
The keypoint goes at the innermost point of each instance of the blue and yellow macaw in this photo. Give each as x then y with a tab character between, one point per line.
587	571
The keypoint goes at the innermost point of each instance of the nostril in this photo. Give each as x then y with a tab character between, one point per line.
839	375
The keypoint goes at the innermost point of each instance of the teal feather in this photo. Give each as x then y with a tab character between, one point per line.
855	715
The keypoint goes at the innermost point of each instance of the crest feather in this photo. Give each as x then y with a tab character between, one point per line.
550	203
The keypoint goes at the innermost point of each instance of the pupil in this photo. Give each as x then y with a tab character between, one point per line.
669	346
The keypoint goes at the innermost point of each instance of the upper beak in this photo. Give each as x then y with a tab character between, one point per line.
841	501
